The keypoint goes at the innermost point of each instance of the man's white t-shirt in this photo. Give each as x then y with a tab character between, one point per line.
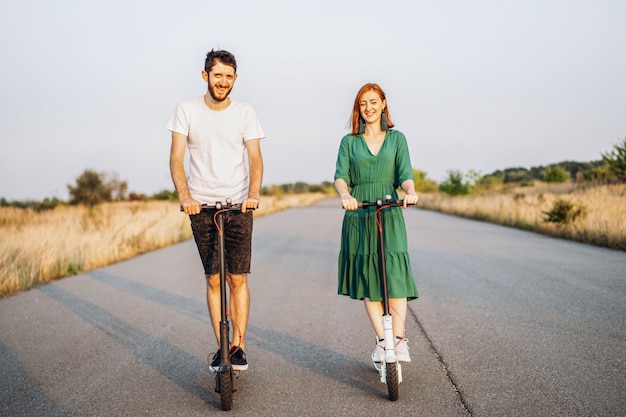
217	147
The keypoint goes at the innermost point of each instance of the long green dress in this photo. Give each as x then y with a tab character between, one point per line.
371	177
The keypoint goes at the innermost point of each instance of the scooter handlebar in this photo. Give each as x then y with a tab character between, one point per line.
387	202
223	206
381	203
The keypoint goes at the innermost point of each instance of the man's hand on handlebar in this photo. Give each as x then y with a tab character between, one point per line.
190	206
249	204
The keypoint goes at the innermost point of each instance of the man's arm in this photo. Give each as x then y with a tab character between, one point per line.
255	161
177	169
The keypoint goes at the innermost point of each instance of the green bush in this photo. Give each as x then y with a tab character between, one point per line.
564	212
423	184
615	160
555	173
169	195
46	204
278	190
454	184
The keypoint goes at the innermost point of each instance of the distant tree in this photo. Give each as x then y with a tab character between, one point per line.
454	184
554	173
615	160
577	169
300	187
46	204
94	187
517	175
273	190
133	196
473	178
325	187
422	183
119	188
600	174
170	195
489	182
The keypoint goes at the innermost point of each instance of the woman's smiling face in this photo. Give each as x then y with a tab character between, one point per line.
371	106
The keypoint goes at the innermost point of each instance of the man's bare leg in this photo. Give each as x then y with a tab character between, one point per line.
239	307
213	299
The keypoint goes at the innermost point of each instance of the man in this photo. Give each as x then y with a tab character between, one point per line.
219	133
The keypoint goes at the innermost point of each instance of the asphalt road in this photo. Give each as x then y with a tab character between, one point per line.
508	323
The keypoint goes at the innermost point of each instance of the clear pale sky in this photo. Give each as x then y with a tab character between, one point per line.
480	84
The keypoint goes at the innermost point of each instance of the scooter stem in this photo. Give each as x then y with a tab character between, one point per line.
224	330
390	353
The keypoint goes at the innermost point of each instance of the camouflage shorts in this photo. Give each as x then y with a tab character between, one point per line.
237	241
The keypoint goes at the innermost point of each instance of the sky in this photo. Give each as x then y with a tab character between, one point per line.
473	84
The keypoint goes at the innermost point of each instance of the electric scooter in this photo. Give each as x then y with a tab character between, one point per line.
389	369
225	375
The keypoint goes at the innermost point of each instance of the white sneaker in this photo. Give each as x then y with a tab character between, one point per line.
402	350
379	353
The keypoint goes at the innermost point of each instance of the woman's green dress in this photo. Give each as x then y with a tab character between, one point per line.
371	177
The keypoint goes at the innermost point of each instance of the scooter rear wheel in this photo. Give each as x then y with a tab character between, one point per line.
392	380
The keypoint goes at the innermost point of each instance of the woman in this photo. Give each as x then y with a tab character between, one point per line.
373	162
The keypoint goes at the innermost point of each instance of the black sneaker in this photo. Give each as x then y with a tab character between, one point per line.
238	359
214	362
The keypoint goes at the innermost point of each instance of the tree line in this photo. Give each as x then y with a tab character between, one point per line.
93	187
611	169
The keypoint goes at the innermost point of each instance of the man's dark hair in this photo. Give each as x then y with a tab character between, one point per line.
224	57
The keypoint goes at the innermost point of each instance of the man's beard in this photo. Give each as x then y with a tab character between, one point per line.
215	96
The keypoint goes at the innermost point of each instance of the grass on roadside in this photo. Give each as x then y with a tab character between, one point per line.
38	247
596	214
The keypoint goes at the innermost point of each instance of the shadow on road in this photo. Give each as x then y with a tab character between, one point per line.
173	363
182	368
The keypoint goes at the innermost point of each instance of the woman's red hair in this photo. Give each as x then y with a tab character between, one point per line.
356	110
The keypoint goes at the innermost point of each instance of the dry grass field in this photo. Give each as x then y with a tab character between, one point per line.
603	210
38	247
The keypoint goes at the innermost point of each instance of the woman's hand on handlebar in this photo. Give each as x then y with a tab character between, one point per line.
410	200
349	203
190	206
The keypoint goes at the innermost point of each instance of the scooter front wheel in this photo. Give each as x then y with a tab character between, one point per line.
226	389
392	380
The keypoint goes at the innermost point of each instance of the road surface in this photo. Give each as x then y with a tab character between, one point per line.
508	323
